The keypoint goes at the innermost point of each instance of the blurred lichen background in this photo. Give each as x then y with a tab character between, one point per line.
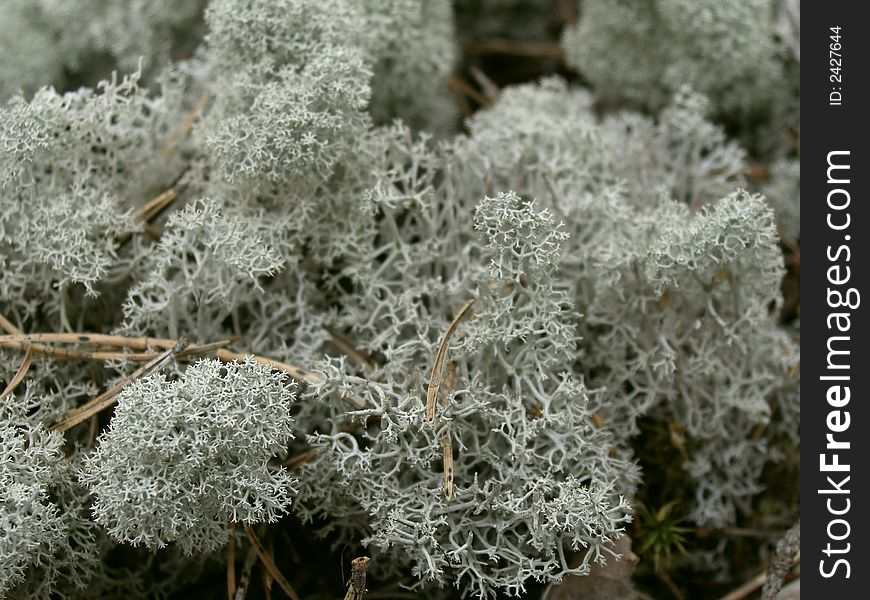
501	294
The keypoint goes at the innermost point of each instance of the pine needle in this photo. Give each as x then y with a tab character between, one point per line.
440	361
109	397
20	374
270	564
231	562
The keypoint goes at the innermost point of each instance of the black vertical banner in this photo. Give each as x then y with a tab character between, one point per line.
835	342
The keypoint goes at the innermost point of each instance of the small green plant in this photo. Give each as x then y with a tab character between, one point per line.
661	534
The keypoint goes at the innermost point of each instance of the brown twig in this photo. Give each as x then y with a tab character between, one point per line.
270	564
356	585
100	356
440	361
150	210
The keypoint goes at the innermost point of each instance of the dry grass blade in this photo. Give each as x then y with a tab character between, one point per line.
270	564
108	398
356	585
440	361
20	374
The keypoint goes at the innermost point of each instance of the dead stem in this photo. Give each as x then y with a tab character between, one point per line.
356	585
